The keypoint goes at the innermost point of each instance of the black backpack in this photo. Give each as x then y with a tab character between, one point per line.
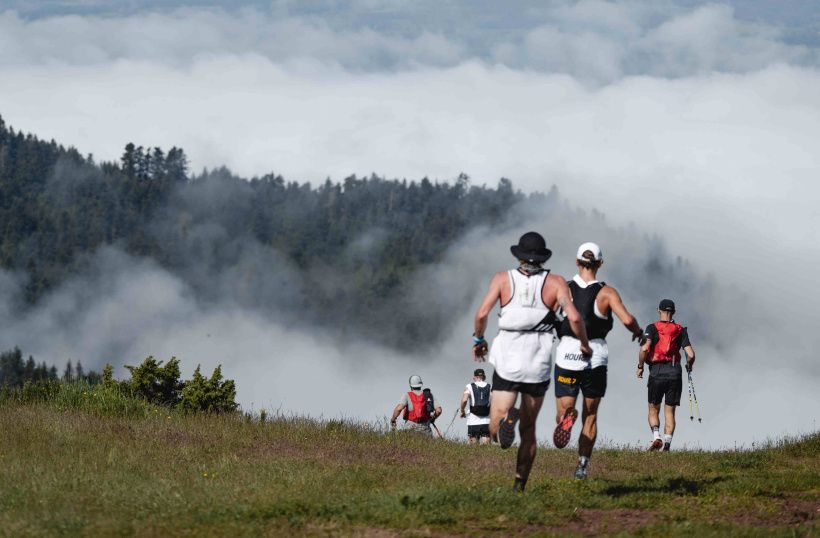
481	400
429	406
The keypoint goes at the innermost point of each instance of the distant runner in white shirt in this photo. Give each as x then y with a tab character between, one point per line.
521	353
595	302
479	395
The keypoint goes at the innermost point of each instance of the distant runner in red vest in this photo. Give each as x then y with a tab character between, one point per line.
418	415
662	350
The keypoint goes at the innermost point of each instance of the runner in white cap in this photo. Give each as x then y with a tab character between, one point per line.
574	372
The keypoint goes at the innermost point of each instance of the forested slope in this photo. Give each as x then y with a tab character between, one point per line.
331	254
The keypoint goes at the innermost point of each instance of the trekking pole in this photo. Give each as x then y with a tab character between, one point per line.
433	424
689	386
695	395
691	416
452	421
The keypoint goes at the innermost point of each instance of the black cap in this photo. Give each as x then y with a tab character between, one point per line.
531	248
479	372
667	305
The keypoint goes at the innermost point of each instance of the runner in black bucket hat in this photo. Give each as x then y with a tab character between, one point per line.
531	248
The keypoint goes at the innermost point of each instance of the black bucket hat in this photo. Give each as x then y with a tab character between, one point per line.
531	248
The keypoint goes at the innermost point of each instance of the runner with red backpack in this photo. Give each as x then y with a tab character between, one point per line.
662	351
420	408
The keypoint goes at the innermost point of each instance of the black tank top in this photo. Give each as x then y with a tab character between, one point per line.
584	301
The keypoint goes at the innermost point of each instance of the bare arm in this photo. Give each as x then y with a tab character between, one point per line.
690	357
399	408
614	302
493	296
642	356
464	400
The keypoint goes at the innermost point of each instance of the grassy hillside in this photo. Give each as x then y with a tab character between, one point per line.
84	461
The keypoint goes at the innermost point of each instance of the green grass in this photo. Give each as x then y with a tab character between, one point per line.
82	460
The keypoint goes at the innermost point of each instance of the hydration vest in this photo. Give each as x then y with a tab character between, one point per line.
584	301
667	349
526	311
423	407
480	406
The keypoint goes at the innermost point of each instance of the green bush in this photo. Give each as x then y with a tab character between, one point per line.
108	380
156	383
211	395
150	383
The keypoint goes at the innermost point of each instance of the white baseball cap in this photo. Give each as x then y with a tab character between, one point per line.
592	247
415	381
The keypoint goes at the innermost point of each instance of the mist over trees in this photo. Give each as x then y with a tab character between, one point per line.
333	255
357	259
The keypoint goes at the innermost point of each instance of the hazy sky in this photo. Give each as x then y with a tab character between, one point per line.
696	121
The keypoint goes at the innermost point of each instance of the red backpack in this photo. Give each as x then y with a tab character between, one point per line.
667	349
420	412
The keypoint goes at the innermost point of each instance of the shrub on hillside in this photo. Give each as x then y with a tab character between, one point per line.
156	383
161	384
150	382
211	395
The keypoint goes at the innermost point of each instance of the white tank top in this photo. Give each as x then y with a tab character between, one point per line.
522	351
526	308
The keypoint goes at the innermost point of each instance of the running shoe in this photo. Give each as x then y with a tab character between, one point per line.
506	431
564	428
580	472
657	444
667	447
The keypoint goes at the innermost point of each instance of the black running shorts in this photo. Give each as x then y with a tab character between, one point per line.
478	430
669	388
536	390
591	382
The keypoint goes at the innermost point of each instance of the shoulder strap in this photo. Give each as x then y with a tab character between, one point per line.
543	283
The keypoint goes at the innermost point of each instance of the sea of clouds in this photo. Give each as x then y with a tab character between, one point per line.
692	124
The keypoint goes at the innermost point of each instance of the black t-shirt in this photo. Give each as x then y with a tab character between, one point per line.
666	369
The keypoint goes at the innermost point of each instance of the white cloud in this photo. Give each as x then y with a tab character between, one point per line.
597	42
691	124
747	141
183	36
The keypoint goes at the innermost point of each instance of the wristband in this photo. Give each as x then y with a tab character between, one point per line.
640	367
477	340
